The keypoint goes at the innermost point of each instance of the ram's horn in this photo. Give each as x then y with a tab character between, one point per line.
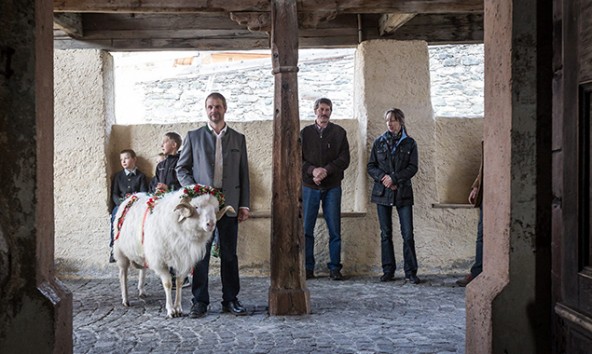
185	210
223	211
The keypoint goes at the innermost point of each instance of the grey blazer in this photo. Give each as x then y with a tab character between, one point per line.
197	158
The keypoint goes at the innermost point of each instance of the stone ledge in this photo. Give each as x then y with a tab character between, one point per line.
266	214
452	206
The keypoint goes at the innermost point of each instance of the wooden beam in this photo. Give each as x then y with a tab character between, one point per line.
310	6
176	34
254	21
149	44
70	23
389	23
288	294
171	32
162	21
313	20
441	29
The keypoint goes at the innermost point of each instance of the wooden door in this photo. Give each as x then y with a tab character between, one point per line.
572	215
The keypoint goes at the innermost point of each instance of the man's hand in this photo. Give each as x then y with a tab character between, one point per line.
243	214
162	186
319	174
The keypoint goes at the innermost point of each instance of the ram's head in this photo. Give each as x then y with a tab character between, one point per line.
205	208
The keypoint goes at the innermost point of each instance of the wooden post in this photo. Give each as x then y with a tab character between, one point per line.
288	294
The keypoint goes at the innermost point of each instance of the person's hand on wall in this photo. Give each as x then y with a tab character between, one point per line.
473	195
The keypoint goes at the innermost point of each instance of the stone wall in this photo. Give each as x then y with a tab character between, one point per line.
153	90
81	173
456	74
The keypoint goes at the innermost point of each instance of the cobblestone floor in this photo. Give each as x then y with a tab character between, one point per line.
357	315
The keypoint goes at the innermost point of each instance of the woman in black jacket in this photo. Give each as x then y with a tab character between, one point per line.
393	162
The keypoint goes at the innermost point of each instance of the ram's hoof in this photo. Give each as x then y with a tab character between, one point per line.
126	303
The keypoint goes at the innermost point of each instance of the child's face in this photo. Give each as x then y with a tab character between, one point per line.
168	146
127	161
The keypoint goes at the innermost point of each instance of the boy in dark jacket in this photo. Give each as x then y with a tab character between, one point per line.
126	182
165	176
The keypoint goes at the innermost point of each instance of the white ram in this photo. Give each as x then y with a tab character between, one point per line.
162	231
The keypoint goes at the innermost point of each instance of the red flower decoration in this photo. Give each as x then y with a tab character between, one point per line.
200	189
155	196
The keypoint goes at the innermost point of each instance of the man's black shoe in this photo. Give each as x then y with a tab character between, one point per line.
413	279
111	258
199	309
387	277
335	275
235	308
310	274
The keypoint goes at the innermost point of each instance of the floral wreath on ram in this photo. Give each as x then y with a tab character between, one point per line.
155	196
133	199
200	189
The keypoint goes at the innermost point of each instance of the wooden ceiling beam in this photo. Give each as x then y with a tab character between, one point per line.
70	23
149	44
389	23
163	21
254	21
306	6
438	29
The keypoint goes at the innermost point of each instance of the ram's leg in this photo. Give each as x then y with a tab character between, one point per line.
167	284
141	282
178	308
123	267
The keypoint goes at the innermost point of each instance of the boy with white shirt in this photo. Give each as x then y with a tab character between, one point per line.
126	182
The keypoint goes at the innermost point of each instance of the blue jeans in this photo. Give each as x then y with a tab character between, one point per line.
477	267
331	199
385	218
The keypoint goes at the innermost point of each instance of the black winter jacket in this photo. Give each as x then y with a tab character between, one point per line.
165	173
401	167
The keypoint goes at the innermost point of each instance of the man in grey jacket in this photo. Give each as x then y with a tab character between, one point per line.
216	155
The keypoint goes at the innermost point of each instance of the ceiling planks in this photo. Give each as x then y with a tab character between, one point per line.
244	24
312	6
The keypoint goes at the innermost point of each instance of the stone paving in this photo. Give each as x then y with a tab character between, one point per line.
357	315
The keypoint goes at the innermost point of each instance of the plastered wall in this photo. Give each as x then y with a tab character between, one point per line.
387	74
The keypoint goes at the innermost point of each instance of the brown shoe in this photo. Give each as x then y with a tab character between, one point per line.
465	281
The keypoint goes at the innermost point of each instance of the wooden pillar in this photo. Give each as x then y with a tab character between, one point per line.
288	294
35	307
509	305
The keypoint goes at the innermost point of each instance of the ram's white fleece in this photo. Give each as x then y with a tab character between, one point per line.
174	234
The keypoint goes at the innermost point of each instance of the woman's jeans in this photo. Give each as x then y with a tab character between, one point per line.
331	199
385	218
